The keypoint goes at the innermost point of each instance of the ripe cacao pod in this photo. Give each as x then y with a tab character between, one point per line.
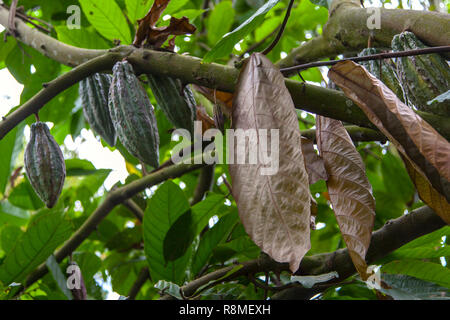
176	102
423	77
94	96
132	115
386	73
44	164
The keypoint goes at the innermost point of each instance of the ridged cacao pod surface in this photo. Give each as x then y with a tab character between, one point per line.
423	77
44	164
94	92
385	71
133	115
176	102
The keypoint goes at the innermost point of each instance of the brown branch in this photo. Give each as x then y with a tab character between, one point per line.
378	56
143	276
280	32
357	134
204	184
113	199
394	234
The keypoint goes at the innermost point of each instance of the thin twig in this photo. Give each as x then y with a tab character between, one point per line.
12	15
377	56
259	43
280	32
143	276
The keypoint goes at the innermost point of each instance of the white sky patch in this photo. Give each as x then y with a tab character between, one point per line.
166	17
237	46
320	225
283	54
89	148
9	92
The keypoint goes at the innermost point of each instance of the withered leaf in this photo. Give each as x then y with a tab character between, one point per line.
148	34
207	121
349	189
157	36
274	208
427	193
149	21
418	141
314	164
223	99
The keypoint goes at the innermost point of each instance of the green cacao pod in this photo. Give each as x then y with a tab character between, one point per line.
44	164
94	96
132	115
177	103
386	73
423	77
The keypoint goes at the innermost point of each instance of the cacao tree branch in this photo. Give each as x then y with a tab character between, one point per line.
346	31
143	276
205	182
378	56
48	46
357	134
113	199
53	88
315	99
394	234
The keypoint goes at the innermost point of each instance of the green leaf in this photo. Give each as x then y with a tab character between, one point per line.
23	196
137	9
125	239
163	209
58	276
18	63
219	21
12	215
410	288
226	44
322	3
89	265
85	37
174	6
396	179
179	237
6	47
217	234
42	237
10	146
8	237
107	19
427	271
79	167
169	288
212	205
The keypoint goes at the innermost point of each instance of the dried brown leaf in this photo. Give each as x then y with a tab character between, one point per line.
275	209
223	99
207	121
314	164
418	141
149	21
148	34
427	193
349	189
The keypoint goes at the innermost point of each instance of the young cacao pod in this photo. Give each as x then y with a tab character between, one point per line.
94	96
176	102
44	164
132	115
383	70
423	77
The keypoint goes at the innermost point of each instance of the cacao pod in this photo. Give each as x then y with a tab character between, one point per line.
176	102
133	115
423	77
94	96
44	164
386	73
